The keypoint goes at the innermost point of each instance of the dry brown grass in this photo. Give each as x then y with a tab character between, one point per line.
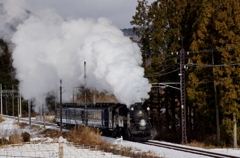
99	98
79	136
51	120
1	119
52	133
15	138
102	97
3	141
197	144
51	113
85	135
208	143
205	145
21	124
92	137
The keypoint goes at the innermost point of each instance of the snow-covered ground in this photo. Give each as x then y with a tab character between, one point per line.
169	153
50	148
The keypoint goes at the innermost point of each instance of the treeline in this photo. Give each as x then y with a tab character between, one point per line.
210	32
7	79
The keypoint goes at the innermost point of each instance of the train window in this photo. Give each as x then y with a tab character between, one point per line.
57	113
71	113
64	114
96	115
78	114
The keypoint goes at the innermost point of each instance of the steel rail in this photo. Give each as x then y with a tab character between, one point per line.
190	149
25	119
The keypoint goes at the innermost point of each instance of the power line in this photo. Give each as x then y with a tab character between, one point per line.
162	74
219	65
202	51
169	67
165	60
211	50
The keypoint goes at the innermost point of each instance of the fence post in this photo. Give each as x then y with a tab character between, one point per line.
119	139
60	142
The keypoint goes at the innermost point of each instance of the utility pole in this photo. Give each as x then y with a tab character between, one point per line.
73	93
20	104
29	111
61	107
234	130
44	125
1	98
85	95
183	95
216	104
12	100
6	106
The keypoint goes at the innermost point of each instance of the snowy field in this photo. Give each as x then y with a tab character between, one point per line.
49	148
46	150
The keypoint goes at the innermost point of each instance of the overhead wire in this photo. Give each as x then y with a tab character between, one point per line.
218	65
194	64
163	73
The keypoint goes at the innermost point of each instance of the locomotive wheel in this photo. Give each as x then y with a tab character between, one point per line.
113	134
128	135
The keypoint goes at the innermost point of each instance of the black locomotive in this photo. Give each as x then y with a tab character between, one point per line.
113	119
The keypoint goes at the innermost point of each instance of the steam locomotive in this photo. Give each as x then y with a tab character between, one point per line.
112	119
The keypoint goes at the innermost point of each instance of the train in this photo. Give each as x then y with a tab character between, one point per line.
114	120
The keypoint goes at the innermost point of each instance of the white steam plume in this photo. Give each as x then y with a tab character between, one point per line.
49	48
11	14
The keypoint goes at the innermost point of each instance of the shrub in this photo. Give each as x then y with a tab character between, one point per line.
21	124
26	137
1	119
51	120
85	135
3	141
52	133
15	138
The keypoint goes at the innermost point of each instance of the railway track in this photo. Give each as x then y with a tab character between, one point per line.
32	121
189	149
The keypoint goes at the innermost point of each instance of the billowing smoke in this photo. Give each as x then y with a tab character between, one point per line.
12	13
49	48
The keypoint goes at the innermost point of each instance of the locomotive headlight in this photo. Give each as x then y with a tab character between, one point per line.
142	122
